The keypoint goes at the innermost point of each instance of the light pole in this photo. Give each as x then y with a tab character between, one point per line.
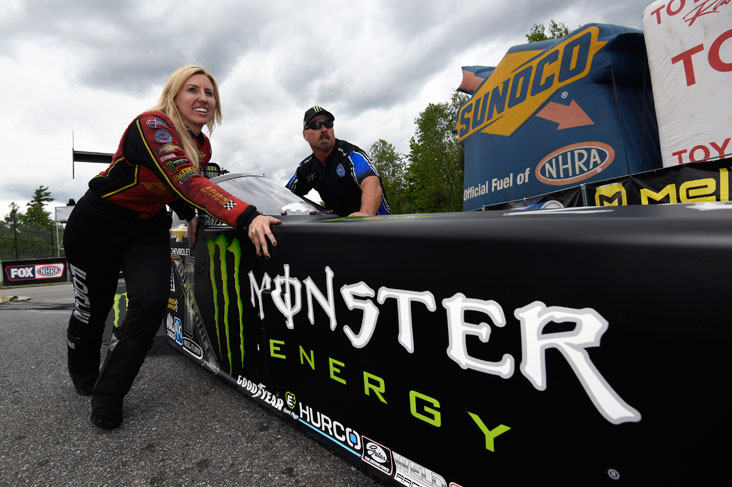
15	238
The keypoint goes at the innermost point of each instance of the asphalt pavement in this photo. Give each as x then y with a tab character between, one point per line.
182	426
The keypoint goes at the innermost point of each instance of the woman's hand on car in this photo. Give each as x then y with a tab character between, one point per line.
260	231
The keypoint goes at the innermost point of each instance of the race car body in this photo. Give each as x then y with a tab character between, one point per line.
582	345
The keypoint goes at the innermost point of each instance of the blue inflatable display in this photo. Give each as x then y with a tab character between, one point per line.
558	113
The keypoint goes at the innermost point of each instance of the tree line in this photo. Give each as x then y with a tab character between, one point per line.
30	234
430	178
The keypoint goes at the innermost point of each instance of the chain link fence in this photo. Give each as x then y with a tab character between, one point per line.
26	241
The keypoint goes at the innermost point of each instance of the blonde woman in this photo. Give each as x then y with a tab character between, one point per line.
121	223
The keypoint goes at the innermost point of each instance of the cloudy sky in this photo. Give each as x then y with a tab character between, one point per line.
76	72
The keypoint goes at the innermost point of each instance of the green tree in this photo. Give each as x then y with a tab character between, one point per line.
538	32
392	168
31	234
40	236
6	241
434	177
15	214
35	214
9	233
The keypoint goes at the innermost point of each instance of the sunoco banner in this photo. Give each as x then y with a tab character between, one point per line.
559	113
690	56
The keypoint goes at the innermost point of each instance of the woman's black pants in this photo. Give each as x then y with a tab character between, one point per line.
101	239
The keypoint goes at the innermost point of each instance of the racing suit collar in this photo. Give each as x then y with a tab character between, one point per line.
200	137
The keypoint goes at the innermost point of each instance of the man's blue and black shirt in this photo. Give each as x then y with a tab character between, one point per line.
338	180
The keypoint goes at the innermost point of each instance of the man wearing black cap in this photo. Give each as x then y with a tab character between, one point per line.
340	172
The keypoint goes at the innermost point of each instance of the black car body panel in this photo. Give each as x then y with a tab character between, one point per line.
579	345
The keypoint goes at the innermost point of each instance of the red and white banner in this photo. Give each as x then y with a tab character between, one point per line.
689	44
30	272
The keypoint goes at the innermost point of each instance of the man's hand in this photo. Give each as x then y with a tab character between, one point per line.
259	231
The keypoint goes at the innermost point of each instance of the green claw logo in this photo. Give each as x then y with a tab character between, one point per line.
117	309
225	248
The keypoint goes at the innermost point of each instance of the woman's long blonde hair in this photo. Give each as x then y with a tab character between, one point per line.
166	104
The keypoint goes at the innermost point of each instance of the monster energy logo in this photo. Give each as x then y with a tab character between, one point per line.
317	109
172	165
225	248
117	309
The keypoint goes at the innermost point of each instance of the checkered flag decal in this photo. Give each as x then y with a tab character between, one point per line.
229	205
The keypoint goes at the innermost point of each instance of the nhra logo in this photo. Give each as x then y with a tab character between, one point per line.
49	270
524	81
29	272
574	163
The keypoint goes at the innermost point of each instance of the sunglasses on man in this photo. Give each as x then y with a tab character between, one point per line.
316	125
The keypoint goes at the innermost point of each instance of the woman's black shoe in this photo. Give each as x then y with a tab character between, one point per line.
84	384
106	412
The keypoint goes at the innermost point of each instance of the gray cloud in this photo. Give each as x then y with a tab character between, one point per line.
90	66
